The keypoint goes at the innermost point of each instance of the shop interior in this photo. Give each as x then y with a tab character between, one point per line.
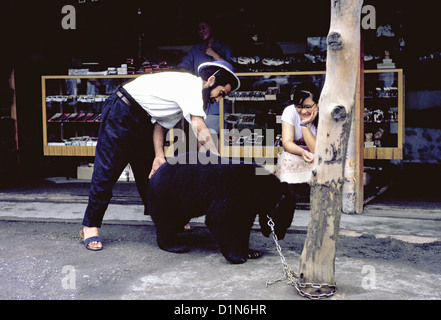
155	36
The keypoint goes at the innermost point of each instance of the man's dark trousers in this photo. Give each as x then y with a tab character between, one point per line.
125	137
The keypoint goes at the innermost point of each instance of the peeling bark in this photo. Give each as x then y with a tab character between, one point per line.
337	101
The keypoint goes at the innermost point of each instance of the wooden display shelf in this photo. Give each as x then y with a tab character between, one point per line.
383	153
233	151
391	153
69	151
250	152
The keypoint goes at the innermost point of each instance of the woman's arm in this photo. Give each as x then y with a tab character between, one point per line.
309	138
290	146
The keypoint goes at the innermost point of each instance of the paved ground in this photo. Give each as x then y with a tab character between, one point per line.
385	253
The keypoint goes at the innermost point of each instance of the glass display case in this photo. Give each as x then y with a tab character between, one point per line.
72	112
251	118
383	114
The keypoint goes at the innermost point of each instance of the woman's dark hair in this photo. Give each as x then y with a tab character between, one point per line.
304	91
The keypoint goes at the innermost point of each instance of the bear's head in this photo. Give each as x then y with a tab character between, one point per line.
282	214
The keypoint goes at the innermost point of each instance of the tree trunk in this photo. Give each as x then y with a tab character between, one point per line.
337	101
353	172
349	195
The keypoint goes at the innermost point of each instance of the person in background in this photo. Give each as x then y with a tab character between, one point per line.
299	132
266	46
133	125
210	49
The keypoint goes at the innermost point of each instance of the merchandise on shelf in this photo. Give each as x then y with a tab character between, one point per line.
72	112
84	141
292	62
76	117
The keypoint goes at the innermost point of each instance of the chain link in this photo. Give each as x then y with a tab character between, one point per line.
293	277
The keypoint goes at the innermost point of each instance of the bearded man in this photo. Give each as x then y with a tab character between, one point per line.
134	120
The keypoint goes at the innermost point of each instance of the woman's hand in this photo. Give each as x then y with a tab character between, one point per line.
210	52
311	118
307	156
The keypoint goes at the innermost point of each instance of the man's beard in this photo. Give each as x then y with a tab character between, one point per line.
206	93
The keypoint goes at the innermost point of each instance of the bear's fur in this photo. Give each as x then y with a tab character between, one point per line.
230	195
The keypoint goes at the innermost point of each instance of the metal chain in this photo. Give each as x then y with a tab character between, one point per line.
293	277
287	271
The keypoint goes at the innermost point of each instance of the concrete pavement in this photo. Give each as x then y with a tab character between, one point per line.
385	253
402	224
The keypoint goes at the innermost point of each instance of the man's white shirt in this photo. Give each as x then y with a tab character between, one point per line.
167	96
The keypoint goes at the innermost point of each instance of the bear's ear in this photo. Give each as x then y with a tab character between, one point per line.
287	192
285	188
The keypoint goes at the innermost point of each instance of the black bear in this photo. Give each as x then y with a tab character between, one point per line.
230	194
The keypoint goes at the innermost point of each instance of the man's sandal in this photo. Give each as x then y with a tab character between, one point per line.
89	240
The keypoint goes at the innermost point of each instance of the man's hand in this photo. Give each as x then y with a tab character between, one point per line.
158	144
157	162
203	135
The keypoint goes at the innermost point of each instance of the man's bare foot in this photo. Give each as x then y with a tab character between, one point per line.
89	232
